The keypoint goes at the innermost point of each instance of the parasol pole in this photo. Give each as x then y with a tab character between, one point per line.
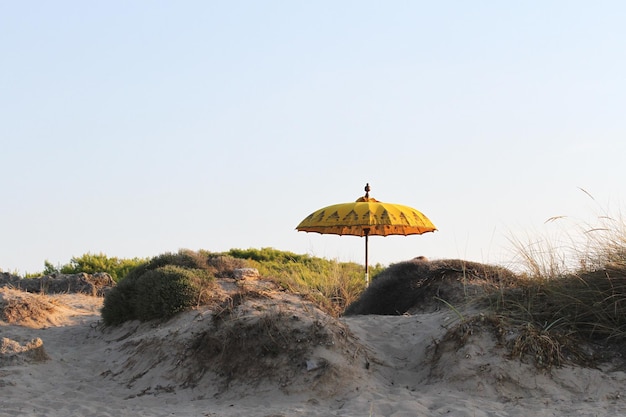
367	268
367	232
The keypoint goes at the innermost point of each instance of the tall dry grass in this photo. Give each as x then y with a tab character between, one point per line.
570	298
572	245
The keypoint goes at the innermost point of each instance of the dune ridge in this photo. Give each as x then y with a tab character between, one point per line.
260	351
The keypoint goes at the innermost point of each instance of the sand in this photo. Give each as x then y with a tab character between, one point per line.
272	353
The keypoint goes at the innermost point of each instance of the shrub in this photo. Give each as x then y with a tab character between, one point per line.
158	289
92	263
119	303
183	258
222	266
168	290
217	264
416	285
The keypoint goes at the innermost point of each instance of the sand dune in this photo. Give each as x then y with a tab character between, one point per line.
271	353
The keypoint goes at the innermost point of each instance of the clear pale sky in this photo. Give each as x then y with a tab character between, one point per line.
138	128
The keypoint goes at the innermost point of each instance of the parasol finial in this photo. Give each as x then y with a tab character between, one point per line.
367	190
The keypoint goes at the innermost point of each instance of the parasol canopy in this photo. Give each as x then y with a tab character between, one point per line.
367	217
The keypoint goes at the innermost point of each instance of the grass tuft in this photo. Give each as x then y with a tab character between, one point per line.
570	297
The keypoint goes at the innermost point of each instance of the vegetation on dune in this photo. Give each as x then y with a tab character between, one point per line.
416	286
572	317
566	305
564	311
567	315
331	284
92	263
559	308
158	289
173	282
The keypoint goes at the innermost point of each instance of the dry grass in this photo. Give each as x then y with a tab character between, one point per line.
15	353
567	305
571	299
590	304
18	307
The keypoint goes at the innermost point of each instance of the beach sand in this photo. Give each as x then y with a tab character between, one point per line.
270	353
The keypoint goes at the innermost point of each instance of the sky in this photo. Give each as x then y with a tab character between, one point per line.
138	128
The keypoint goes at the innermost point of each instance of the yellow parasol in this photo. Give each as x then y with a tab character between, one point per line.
366	217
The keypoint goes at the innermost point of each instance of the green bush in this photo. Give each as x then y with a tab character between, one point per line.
92	263
120	303
222	265
183	258
158	289
168	290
